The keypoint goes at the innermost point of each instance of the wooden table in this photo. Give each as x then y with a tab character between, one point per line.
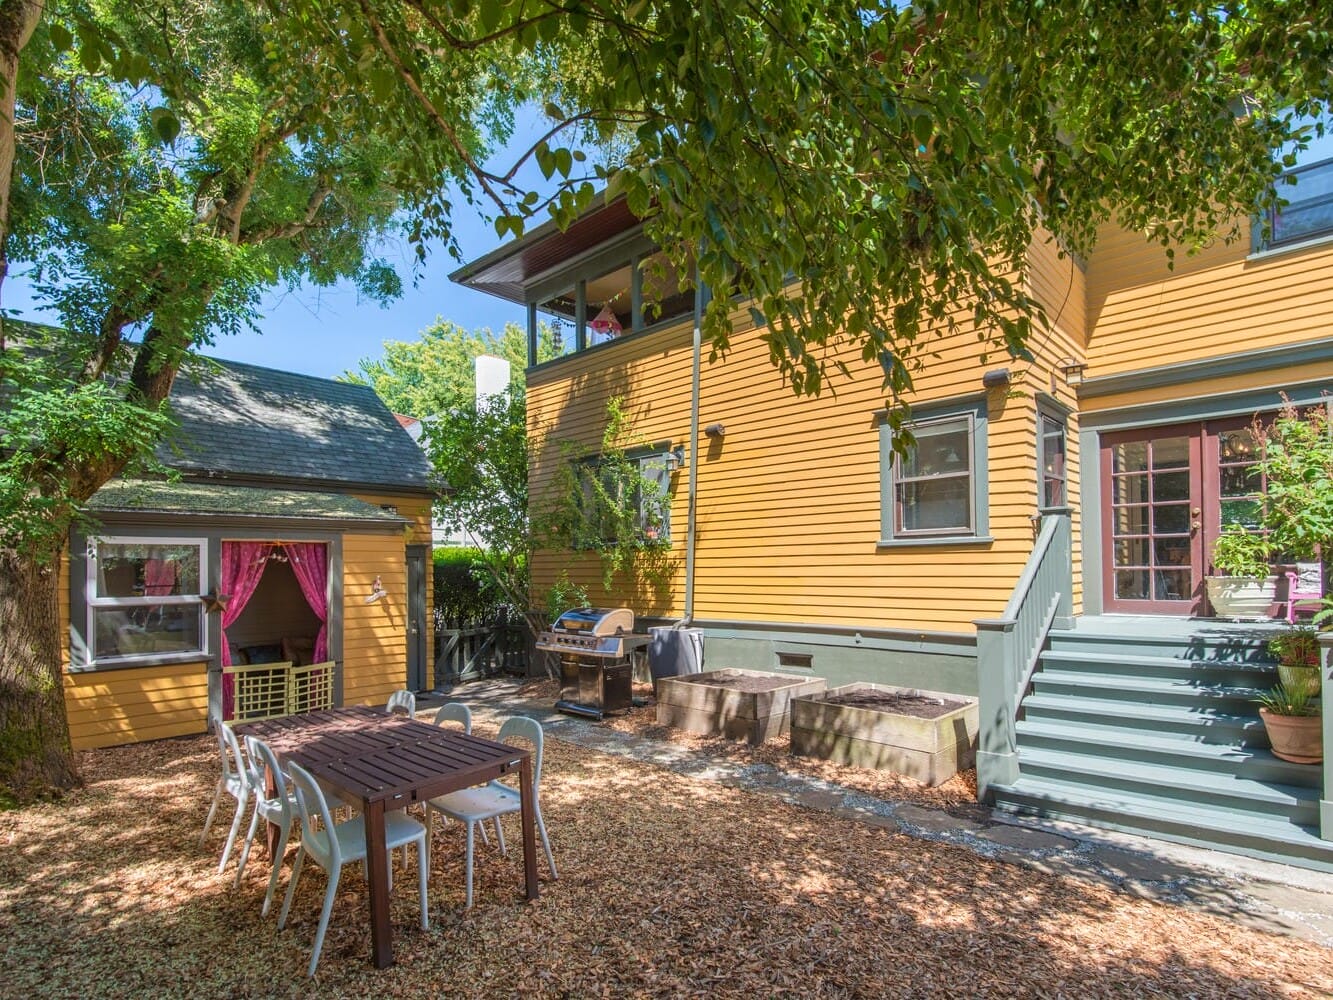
389	762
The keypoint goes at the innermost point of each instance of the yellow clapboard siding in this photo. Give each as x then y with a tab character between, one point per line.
1271	379
1143	315
111	707
789	501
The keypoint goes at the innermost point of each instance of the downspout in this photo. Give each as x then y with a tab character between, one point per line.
700	298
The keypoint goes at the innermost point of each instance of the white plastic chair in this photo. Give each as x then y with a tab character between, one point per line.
280	809
235	781
454	711
402	701
332	847
495	799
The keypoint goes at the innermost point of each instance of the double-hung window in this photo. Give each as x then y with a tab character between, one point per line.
143	598
1306	188
937	490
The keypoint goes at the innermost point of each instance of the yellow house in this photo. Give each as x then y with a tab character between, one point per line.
298	531
1043	547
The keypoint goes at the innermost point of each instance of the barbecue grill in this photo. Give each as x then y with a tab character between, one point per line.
595	670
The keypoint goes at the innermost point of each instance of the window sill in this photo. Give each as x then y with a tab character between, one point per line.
954	540
139	661
1310	243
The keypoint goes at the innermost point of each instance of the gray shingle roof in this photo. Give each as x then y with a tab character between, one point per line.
243	421
153	496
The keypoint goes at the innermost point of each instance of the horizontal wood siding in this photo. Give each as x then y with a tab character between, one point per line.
1143	315
111	707
789	499
374	635
1059	284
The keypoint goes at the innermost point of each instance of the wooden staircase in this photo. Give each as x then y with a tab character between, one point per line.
1153	729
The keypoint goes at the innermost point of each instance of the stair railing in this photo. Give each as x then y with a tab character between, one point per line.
1008	648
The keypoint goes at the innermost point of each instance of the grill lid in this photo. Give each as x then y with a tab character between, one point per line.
595	622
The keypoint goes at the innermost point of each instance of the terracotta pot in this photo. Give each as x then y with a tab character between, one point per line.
1297	738
1241	596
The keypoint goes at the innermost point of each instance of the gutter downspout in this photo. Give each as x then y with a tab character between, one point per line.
700	298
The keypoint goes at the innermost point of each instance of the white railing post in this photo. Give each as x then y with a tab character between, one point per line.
1325	701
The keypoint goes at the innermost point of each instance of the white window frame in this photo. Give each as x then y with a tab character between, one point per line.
95	603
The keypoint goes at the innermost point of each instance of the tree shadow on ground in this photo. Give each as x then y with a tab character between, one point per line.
669	886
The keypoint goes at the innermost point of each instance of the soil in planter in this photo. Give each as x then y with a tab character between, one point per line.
744	683
915	705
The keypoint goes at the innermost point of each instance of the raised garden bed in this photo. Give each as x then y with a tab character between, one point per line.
923	734
750	705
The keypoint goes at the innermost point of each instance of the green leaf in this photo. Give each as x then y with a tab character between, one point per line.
61	37
165	124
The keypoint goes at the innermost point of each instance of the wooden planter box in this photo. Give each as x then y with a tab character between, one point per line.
930	750
750	705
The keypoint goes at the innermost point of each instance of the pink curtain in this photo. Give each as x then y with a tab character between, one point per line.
243	565
310	565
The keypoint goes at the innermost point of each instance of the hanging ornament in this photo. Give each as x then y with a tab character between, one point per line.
605	322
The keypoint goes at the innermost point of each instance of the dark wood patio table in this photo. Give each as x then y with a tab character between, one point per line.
388	762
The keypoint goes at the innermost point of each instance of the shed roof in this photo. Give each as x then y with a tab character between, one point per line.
246	422
139	496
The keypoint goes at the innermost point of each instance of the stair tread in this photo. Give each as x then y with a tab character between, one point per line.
1138	740
1148	685
1147	660
1166	776
1131	709
1195	816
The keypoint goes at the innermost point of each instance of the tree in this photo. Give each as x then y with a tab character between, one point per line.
434	374
898	161
158	210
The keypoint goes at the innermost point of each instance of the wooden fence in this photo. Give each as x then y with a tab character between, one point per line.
479	650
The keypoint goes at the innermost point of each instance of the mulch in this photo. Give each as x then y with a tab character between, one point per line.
669	886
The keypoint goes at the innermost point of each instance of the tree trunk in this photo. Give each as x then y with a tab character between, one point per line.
18	20
36	758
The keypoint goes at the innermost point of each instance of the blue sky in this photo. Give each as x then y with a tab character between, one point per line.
326	331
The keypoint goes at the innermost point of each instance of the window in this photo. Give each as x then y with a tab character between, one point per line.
938	489
1051	461
143	598
647	478
1309	209
1307	189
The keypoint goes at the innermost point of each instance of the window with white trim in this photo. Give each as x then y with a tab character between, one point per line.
143	597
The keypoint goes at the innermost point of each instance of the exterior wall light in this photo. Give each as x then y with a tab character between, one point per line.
995	378
675	458
1072	371
715	430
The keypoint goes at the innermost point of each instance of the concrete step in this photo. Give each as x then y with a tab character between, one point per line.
1243	798
1250	762
1129	665
1198	824
1205	724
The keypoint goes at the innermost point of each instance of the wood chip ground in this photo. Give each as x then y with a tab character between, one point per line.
669	887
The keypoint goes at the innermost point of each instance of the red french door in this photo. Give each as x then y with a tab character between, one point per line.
1167	492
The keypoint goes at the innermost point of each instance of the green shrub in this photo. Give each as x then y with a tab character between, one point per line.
464	594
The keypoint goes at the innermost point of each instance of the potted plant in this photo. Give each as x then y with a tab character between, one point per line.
1297	651
1291	719
1244	586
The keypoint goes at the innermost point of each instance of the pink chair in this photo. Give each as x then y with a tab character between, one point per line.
1304	587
